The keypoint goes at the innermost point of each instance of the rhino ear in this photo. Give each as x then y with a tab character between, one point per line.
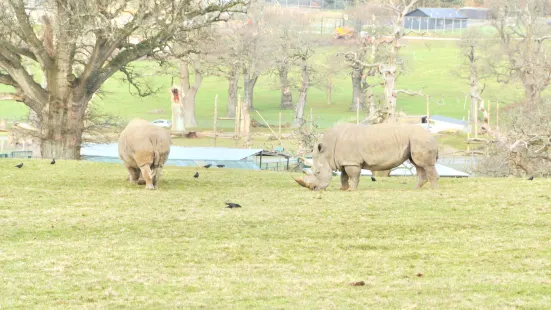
320	147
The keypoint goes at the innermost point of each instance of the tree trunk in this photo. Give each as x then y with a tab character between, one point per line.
371	100
301	104
389	77
358	94
474	94
61	128
532	95
249	81
190	91
329	87
233	88
286	93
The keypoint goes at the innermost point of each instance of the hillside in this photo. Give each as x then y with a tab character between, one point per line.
76	235
430	64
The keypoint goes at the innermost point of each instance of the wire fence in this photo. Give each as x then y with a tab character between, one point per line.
312	4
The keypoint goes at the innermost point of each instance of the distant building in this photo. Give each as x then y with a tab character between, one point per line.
475	13
434	19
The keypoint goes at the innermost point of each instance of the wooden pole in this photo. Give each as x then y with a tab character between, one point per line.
476	122
357	111
265	122
428	112
215	118
311	120
497	115
469	119
279	123
489	111
237	120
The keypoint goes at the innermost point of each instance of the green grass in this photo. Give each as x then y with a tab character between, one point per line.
429	64
76	235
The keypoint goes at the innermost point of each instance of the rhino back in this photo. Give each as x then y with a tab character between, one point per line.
379	147
145	140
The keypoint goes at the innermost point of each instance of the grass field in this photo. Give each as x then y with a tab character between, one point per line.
76	235
430	64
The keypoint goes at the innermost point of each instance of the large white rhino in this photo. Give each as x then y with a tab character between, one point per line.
350	148
144	149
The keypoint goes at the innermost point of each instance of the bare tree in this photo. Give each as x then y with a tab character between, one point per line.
328	71
283	26
522	146
303	55
83	43
193	49
522	54
473	47
377	54
227	61
255	49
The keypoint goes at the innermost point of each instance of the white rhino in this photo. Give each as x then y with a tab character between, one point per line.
144	149
350	148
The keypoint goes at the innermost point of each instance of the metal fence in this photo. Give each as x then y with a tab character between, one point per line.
312	4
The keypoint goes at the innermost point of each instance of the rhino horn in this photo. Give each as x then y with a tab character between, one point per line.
304	183
301	182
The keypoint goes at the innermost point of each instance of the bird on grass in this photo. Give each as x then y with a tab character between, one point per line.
232	205
53	162
207	166
373	179
19	166
196	175
220	166
531	178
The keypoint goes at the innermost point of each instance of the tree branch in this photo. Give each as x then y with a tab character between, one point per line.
28	33
409	92
11	96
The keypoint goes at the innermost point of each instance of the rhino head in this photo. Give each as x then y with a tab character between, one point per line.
321	170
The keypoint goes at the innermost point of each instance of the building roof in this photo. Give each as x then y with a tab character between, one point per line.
437	13
407	169
448	120
235	164
475	13
177	152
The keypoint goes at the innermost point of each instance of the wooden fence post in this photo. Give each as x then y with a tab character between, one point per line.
280	124
497	116
489	111
311	120
215	118
357	111
428	112
237	120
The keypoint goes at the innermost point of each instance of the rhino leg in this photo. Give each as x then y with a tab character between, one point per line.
146	174
432	175
133	174
344	180
421	176
353	173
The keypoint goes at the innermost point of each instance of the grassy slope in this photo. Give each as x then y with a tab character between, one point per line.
76	235
432	66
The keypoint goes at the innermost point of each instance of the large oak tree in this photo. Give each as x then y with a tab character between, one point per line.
77	45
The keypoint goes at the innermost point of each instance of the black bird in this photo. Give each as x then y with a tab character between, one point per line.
232	205
373	179
20	165
53	162
207	166
220	166
196	175
531	178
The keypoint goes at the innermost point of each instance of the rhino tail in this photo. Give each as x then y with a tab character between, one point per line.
156	155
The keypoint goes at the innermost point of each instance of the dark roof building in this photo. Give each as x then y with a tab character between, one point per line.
435	18
475	13
437	13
